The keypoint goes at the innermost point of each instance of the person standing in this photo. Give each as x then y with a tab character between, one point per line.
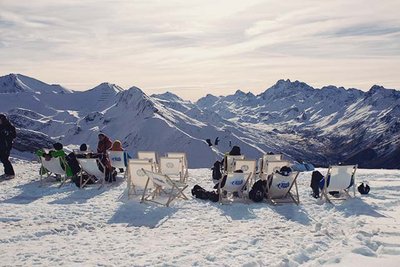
7	136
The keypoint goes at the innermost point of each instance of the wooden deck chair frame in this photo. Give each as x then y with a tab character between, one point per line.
173	190
135	167
326	189
229	162
90	173
288	197
246	178
60	171
113	156
185	162
151	156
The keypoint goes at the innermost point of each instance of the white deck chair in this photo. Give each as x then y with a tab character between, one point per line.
280	187
247	166
185	162
136	177
149	155
163	184
341	179
117	160
54	167
269	167
235	182
273	157
173	167
229	162
90	166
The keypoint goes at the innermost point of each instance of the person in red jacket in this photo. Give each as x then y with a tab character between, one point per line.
103	145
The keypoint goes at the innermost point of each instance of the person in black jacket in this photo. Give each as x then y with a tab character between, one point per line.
7	136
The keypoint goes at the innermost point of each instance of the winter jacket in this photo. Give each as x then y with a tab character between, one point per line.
104	145
7	136
57	154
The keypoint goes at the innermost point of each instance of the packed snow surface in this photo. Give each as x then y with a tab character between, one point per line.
74	227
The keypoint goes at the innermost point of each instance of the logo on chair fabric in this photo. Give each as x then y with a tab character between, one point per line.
116	159
245	168
237	182
170	165
140	173
283	185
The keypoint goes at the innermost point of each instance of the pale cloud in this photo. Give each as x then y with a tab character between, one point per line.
194	47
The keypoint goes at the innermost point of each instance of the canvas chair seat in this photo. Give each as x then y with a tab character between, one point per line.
279	188
235	182
341	179
53	166
136	177
151	156
229	162
90	166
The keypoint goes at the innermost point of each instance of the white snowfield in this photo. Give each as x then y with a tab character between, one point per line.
48	226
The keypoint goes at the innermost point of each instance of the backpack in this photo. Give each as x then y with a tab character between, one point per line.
257	192
201	193
363	189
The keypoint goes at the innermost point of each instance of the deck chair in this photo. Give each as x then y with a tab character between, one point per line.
270	167
341	179
280	188
90	166
53	166
235	182
163	184
246	166
117	160
136	177
273	157
150	156
229	162
185	162
173	167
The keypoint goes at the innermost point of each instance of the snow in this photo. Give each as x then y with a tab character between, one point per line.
74	227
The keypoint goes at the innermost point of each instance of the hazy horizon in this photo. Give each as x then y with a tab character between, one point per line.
192	48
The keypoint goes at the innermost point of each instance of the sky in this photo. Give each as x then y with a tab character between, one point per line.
192	47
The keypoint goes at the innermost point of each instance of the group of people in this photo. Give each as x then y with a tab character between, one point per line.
71	165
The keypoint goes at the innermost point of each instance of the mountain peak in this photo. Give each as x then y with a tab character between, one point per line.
107	87
167	96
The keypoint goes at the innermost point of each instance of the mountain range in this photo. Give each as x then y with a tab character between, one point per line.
319	125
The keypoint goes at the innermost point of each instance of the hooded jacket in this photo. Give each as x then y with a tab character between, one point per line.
104	145
7	134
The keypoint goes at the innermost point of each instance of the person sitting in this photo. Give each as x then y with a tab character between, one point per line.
58	152
117	146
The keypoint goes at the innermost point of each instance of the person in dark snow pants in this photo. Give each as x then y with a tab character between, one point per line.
7	136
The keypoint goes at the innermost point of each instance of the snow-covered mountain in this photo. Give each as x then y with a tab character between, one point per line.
323	126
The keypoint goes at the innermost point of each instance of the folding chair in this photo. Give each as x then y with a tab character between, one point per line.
235	182
90	166
117	160
173	167
279	188
273	157
185	162
340	179
163	184
136	176
229	162
246	166
150	156
53	166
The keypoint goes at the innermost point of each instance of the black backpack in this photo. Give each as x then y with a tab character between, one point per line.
257	192
216	171
363	189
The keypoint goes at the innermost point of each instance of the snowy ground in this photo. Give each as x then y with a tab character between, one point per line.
68	226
